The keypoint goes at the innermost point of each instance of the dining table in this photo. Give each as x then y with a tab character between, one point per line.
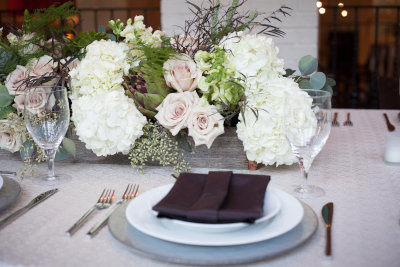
350	168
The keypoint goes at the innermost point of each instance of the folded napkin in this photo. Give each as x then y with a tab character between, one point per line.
216	197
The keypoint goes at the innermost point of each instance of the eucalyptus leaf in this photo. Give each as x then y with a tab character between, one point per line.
317	80
331	82
101	28
307	65
5	98
305	84
327	88
111	37
70	146
61	153
183	143
27	149
5	111
8	61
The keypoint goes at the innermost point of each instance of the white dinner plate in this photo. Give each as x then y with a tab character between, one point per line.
272	206
140	216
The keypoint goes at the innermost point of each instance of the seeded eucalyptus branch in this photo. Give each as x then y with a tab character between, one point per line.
156	145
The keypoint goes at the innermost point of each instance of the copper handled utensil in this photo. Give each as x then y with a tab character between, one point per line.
131	192
335	123
327	214
348	122
390	126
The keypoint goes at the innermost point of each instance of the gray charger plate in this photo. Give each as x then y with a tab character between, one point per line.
165	251
9	192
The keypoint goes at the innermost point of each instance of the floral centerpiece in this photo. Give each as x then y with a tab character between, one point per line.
136	91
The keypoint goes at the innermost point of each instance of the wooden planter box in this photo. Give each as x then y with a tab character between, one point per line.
225	153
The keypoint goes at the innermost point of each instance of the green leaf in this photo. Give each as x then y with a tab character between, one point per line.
101	28
305	84
327	88
331	82
61	153
289	72
27	149
5	98
5	111
318	80
183	143
111	37
8	61
307	65
151	101
70	146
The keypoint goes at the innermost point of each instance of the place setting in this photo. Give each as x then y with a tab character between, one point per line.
201	220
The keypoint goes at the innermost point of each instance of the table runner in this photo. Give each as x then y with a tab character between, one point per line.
366	193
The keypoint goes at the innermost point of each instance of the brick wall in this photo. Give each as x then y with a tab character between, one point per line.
301	28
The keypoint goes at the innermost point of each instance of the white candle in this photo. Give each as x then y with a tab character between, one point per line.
392	147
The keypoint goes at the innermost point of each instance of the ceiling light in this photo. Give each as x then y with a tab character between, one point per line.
319	4
322	10
340	4
344	13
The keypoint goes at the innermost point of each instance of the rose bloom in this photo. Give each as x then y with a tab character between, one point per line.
11	138
35	100
182	73
205	124
175	109
15	79
41	66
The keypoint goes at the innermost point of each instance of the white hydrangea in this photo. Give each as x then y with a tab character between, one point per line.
101	70
263	138
254	56
107	122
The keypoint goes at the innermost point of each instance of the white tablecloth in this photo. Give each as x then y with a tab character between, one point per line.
365	190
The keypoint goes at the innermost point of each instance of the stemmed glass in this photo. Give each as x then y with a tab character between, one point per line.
307	131
47	118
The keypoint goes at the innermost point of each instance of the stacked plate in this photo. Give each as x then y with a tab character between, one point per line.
282	212
286	223
9	191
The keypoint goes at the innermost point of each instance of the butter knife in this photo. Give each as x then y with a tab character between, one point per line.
327	214
40	198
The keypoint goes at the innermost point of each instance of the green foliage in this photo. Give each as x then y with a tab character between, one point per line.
156	145
5	98
69	146
83	39
61	153
9	59
27	149
4	111
317	80
52	20
307	65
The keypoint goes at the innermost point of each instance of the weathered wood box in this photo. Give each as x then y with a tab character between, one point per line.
226	152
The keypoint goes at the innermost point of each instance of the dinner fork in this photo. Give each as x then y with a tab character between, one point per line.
335	123
103	202
131	191
348	121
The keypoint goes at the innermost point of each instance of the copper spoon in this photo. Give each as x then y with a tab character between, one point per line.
390	126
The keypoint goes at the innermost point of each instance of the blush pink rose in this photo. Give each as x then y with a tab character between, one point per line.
15	80
42	66
181	73
185	44
205	124
36	99
175	109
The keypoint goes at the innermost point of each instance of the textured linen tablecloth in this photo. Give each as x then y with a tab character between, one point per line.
365	190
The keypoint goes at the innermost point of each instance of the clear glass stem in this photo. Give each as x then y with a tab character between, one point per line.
50	155
303	185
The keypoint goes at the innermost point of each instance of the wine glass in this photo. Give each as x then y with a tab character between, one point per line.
47	116
307	130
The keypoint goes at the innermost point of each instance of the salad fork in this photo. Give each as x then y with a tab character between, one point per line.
103	202
348	122
335	123
131	192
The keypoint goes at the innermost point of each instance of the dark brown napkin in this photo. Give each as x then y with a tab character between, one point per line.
217	197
